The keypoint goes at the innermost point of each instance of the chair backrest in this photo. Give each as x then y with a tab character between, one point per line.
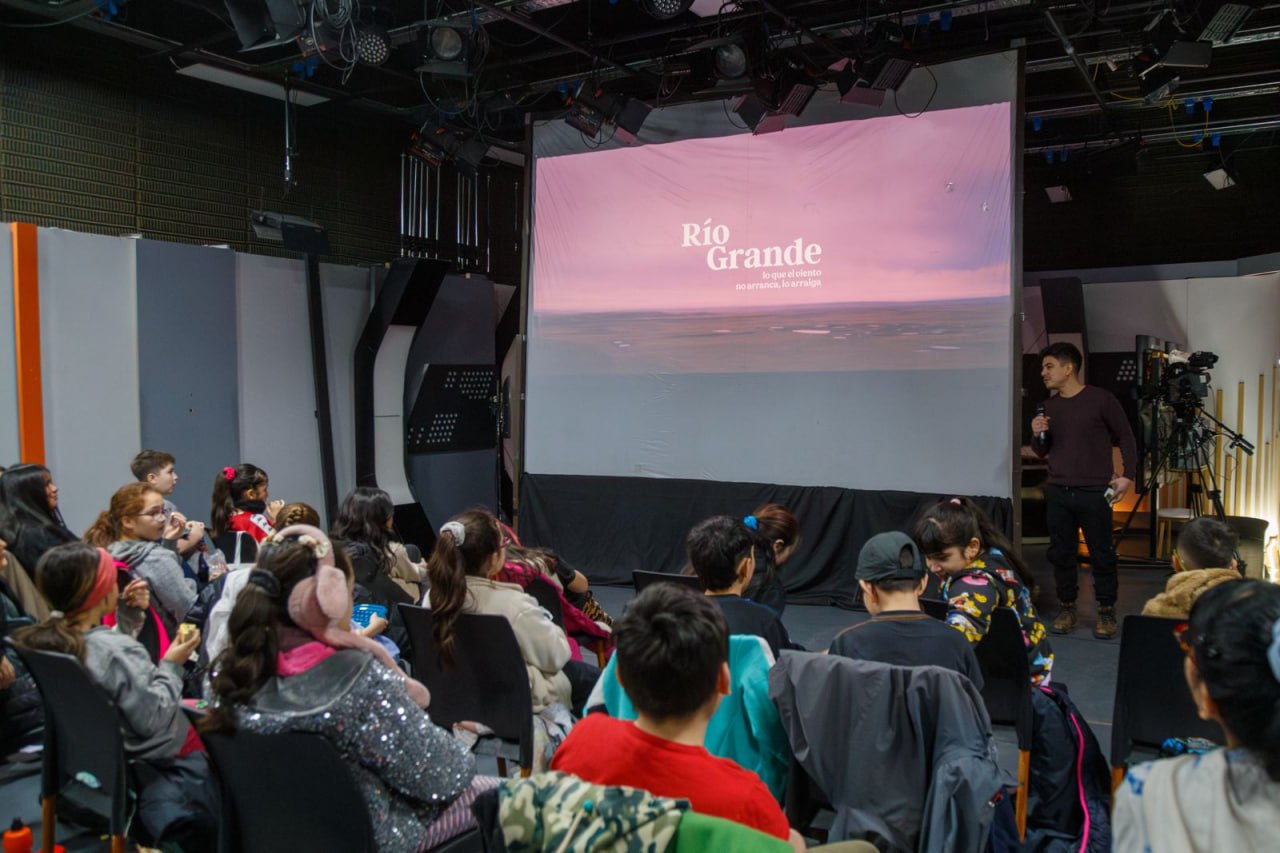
935	607
548	598
643	579
1006	673
84	759
488	683
1251	547
289	791
1152	701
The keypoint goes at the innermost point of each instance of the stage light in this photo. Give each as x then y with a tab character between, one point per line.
590	111
1058	194
265	23
446	43
1225	23
585	118
373	44
443	145
730	61
1219	179
664	10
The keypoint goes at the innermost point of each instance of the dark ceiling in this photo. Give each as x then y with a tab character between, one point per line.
1087	119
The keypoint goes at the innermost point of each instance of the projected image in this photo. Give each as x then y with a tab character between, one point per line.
881	244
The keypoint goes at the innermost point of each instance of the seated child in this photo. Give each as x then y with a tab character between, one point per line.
980	572
892	577
292	664
1205	557
672	658
1228	799
722	553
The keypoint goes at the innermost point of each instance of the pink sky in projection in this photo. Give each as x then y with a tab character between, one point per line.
904	210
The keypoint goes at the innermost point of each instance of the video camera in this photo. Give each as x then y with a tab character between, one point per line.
1184	380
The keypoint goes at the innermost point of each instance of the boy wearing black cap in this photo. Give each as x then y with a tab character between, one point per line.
893	577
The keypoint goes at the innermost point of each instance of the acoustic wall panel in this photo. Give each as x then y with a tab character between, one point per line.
186	363
89	332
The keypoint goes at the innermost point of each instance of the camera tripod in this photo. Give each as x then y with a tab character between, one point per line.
1185	447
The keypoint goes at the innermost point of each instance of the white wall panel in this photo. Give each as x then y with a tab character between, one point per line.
89	357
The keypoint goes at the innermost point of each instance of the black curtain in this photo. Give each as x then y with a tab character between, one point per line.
608	527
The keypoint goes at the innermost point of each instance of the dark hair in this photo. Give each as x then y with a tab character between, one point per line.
895	585
448	568
363	517
226	492
953	522
298	513
253	628
715	547
128	501
777	524
1231	631
150	462
671	643
1064	351
65	576
22	491
1206	543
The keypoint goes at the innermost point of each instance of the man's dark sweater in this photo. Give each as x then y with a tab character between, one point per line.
1082	431
908	638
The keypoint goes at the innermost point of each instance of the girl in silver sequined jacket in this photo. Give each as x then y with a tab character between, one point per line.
292	664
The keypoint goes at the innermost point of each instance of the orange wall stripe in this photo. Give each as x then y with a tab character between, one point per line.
26	335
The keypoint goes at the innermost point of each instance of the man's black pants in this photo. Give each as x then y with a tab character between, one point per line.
1072	508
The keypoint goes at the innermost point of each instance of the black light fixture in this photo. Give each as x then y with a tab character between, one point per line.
442	145
266	23
729	61
373	43
774	102
664	10
445	50
590	111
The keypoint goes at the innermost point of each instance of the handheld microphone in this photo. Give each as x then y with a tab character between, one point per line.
1040	413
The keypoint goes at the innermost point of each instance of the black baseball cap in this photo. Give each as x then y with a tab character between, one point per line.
890	556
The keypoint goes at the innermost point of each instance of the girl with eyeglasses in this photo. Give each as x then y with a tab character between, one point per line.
1227	799
132	530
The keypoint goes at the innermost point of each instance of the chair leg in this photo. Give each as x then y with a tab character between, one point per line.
1117	776
117	844
48	824
502	766
602	660
1024	789
526	772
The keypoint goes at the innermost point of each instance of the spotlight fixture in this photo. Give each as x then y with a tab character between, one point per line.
373	44
1220	178
664	10
729	61
589	112
445	50
775	102
1225	23
266	23
1058	195
442	145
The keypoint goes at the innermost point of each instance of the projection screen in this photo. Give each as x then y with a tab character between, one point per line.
825	306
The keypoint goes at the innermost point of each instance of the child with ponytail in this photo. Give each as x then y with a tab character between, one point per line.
293	664
240	504
79	582
131	529
777	535
468	556
980	573
1228	799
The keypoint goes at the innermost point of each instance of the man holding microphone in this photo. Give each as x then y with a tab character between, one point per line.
1076	430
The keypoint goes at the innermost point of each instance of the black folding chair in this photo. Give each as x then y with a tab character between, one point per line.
488	683
643	579
935	607
1152	701
548	599
84	761
287	791
1006	673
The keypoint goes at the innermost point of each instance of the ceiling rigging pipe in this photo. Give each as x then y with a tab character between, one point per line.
1080	66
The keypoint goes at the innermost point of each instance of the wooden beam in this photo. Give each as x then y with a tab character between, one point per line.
26	336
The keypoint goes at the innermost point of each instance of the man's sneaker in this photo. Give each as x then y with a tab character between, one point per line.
1106	627
1066	621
